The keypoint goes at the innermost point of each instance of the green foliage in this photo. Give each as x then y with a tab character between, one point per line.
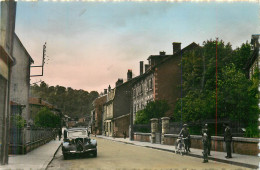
46	118
154	109
236	95
18	121
75	103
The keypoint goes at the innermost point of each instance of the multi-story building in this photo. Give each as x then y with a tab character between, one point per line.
7	24
161	79
20	78
98	113
254	61
117	108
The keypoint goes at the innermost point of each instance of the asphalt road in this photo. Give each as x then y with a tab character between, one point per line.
116	155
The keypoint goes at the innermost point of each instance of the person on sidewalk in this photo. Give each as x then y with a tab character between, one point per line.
65	135
206	130
205	141
185	134
124	133
60	133
228	140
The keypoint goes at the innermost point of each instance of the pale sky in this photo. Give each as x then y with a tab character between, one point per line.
92	44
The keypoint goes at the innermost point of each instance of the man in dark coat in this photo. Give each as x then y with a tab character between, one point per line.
186	135
205	141
60	133
65	135
228	140
206	130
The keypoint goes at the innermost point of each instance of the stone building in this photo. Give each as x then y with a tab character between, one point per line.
98	113
20	78
117	108
254	60
36	104
7	24
161	79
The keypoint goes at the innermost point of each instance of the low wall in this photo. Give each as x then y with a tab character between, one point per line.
142	137
240	145
25	140
246	146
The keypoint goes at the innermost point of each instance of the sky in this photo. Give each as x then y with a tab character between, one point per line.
92	44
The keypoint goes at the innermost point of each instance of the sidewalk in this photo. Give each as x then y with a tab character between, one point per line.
239	160
38	158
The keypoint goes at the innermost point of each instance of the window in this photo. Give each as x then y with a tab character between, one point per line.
150	84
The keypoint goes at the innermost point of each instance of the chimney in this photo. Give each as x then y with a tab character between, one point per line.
141	67
105	91
146	67
109	88
119	82
176	47
162	53
129	74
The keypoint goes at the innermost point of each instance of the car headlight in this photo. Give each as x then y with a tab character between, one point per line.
70	141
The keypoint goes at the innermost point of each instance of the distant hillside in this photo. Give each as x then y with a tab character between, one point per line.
75	103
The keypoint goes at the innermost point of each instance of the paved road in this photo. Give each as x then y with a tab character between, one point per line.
116	155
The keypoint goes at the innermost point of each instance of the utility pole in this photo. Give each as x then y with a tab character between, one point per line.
43	60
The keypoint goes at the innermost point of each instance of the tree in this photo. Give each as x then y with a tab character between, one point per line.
46	118
154	109
236	95
71	101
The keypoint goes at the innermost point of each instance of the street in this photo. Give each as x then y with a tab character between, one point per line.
116	155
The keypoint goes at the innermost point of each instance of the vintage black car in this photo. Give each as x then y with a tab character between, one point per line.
78	142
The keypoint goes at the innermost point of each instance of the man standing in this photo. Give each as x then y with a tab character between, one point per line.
185	134
206	129
205	141
228	140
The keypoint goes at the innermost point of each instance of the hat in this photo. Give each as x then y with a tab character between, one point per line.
185	125
206	125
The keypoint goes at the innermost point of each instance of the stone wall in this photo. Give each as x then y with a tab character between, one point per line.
247	146
122	125
142	137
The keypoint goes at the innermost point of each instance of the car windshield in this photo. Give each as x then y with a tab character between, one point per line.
77	133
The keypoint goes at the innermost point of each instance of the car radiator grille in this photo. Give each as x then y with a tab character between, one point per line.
79	144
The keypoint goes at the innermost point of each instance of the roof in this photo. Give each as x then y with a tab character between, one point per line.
252	59
19	41
167	58
40	102
180	52
13	103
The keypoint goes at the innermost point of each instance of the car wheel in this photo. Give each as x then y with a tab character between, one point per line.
65	156
95	153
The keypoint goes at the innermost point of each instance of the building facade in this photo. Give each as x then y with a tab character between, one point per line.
7	24
254	61
161	80
20	78
98	113
117	108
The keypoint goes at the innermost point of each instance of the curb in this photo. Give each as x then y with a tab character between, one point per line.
49	161
193	155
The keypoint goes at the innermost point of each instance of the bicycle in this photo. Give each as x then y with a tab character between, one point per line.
180	146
